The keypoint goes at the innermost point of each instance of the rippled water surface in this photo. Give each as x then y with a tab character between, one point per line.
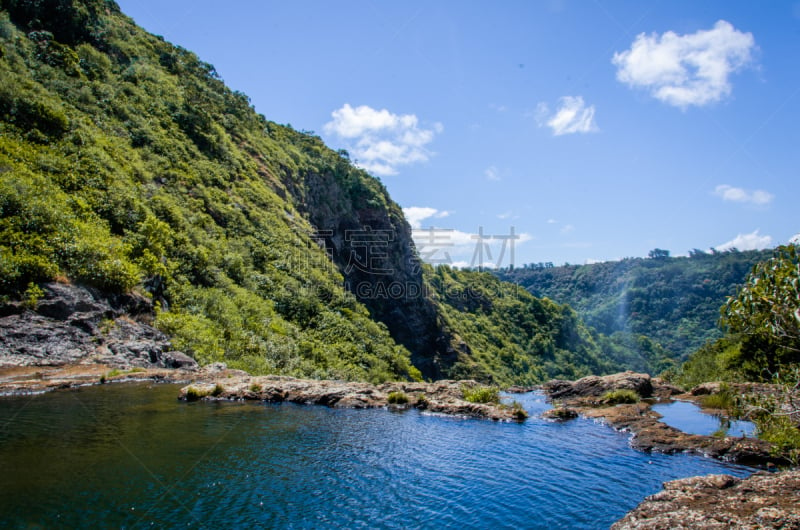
132	456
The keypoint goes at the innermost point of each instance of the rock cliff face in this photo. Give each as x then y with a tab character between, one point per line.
369	241
764	500
73	324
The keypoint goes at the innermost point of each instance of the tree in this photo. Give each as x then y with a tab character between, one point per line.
658	253
766	309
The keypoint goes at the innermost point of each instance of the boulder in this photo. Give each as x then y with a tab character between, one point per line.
560	414
596	386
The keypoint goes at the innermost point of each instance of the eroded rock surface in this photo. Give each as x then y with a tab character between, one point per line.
596	386
77	325
764	500
445	397
584	397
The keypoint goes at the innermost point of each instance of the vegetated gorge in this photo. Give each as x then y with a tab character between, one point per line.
155	228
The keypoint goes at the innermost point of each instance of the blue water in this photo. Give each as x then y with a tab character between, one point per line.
689	418
131	456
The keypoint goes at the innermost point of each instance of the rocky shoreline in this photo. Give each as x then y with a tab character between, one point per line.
78	325
443	397
763	500
217	382
648	433
22	380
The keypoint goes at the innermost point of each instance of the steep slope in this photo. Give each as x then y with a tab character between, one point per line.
127	165
643	304
509	336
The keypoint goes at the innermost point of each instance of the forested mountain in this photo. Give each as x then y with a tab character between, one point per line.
512	336
126	164
672	301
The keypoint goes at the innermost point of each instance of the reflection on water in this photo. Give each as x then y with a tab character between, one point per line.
132	456
689	418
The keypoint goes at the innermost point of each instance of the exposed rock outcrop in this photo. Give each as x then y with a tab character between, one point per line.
764	500
584	397
445	397
651	434
77	325
596	386
370	242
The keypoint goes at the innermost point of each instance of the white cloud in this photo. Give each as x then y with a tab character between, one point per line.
552	221
684	70
729	193
416	214
795	239
751	241
379	140
566	229
492	173
572	116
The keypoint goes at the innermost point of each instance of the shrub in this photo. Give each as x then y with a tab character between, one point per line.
218	390
782	433
722	400
397	398
32	295
518	411
194	393
481	394
255	388
615	397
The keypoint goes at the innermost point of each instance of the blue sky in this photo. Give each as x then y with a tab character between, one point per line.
596	129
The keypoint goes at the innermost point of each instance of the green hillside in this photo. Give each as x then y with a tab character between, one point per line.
762	323
127	164
641	303
509	335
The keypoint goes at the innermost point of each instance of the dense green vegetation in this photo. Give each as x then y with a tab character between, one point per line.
509	336
126	164
623	395
762	321
482	394
650	311
762	344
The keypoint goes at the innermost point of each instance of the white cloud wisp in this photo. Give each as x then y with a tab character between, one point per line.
572	116
732	194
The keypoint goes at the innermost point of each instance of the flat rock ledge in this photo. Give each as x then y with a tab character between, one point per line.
584	397
26	380
444	397
763	500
